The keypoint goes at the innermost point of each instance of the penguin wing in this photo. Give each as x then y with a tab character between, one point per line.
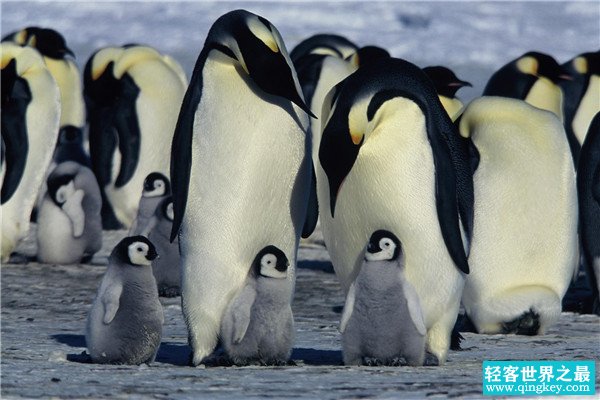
128	130
312	212
103	142
240	311
110	300
414	307
74	211
596	184
348	307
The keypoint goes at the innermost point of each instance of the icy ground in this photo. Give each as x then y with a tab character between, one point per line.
44	306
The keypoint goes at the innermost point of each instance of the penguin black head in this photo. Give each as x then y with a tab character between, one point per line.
156	184
540	64
135	250
257	45
383	246
445	81
70	135
9	78
47	41
271	262
60	188
100	86
585	64
166	208
367	55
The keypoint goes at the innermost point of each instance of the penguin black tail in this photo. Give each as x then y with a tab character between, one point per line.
526	324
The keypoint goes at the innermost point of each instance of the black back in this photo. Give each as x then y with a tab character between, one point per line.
329	41
47	41
383	81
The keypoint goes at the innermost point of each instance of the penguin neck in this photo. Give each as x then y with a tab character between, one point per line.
378	276
546	95
275	289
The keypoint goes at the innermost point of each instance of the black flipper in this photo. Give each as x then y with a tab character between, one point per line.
16	97
596	184
312	212
128	130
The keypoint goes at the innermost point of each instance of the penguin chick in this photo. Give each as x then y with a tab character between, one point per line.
69	222
258	325
382	322
166	268
124	325
156	188
446	85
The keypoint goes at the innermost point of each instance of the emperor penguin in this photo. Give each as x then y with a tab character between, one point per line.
30	118
240	168
69	223
588	188
525	246
166	268
124	325
534	77
156	188
382	322
390	158
134	96
323	43
258	325
447	84
582	97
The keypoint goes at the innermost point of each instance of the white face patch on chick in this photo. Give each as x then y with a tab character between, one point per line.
137	252
270	268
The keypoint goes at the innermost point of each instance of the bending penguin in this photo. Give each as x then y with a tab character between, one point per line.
323	43
390	158
133	96
582	97
241	139
124	325
69	223
258	325
30	118
588	187
382	322
156	188
525	248
447	84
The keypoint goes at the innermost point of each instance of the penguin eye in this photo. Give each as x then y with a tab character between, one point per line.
140	249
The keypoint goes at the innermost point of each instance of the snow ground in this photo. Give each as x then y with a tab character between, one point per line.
44	307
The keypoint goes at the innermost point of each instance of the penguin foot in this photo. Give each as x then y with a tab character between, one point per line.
169	291
398	362
86	259
372	362
527	324
431	360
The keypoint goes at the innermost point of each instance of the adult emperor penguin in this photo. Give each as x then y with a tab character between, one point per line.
323	43
525	246
30	117
133	97
382	321
258	325
390	158
588	188
447	84
156	188
240	167
69	223
533	77
124	325
582	97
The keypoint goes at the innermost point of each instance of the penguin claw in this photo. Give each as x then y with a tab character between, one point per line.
398	362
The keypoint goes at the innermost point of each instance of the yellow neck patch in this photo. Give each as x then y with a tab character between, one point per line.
528	65
581	65
263	33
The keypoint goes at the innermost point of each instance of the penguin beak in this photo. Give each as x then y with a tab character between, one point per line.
565	77
372	249
460	84
69	52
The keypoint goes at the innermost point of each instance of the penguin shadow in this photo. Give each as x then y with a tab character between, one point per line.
324	266
168	352
317	357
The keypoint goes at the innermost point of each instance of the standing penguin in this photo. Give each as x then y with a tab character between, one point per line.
588	187
133	96
382	321
258	325
524	247
533	77
156	188
241	139
582	97
166	268
124	325
30	117
323	43
391	158
69	224
447	84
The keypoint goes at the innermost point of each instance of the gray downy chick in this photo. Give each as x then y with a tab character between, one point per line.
156	188
166	268
258	326
382	322
69	221
125	322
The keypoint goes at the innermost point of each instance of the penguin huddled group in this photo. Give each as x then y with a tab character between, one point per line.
424	204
